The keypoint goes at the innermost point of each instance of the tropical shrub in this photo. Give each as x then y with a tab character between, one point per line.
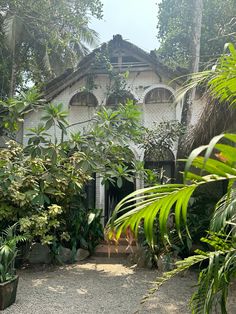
12	110
43	183
33	190
85	228
42	226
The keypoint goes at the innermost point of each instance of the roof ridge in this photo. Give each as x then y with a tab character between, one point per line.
54	87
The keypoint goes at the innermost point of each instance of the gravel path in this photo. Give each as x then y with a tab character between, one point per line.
98	286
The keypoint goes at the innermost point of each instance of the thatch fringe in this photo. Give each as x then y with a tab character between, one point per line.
215	119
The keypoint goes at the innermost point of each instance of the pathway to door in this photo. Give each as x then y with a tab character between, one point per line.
100	285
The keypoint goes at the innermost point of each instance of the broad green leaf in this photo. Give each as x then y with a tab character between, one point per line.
91	218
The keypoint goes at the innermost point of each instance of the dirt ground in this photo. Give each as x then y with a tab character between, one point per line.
99	285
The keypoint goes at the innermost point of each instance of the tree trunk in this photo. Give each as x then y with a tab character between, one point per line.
197	6
194	59
13	75
196	43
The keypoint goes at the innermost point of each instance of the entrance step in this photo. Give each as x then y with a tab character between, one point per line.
123	249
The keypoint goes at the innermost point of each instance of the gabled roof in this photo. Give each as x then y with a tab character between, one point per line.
87	65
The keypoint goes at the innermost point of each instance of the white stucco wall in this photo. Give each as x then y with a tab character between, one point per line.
139	84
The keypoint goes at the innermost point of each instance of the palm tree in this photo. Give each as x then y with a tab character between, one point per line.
215	162
46	37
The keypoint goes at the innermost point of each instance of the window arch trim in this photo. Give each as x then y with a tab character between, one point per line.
114	100
152	87
85	99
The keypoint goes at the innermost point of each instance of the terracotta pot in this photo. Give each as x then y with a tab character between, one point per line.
8	293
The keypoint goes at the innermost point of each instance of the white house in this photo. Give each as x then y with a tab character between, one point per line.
149	82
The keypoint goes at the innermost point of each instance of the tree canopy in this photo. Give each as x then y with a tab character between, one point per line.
175	30
39	39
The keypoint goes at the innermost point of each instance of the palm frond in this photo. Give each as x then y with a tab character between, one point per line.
213	280
224	212
12	28
220	81
180	267
88	36
145	204
158	202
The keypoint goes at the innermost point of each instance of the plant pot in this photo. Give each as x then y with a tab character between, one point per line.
8	293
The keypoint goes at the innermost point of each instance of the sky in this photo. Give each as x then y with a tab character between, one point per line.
135	20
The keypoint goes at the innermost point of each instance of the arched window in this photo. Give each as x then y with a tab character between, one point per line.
160	161
159	95
84	99
121	98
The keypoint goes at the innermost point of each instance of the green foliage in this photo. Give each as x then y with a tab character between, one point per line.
200	213
223	76
29	185
8	252
43	225
175	30
12	110
85	228
161	201
220	80
146	204
51	172
105	144
41	39
214	280
162	137
117	86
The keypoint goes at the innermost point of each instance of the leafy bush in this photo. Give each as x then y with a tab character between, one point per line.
42	226
85	228
31	188
42	184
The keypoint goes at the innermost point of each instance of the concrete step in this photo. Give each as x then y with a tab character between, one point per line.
122	241
112	250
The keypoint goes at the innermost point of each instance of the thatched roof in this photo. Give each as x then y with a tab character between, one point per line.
215	119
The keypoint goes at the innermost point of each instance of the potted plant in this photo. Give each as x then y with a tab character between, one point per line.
8	277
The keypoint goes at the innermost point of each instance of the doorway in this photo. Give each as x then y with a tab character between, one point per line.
114	194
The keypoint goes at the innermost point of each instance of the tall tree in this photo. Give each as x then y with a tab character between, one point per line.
195	44
44	37
175	28
196	34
